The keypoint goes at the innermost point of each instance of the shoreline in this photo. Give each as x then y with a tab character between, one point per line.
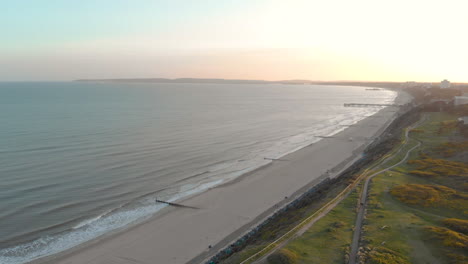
221	220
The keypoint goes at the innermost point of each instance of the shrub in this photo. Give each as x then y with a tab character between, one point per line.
338	224
416	130
431	196
439	167
417	194
455	224
423	173
448	237
283	256
382	255
447	126
449	149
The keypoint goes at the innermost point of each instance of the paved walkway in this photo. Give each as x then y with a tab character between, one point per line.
363	200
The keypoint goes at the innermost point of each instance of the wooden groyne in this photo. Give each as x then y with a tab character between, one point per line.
175	204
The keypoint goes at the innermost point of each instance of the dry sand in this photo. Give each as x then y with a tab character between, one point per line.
181	235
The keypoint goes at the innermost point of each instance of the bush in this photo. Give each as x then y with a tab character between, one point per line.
455	224
449	149
416	130
448	237
283	256
419	194
439	167
431	196
382	255
338	224
447	126
423	173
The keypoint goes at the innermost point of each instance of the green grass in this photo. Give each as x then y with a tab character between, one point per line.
328	240
431	138
243	254
398	227
400	155
394	225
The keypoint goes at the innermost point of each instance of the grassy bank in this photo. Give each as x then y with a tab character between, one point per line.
328	240
408	207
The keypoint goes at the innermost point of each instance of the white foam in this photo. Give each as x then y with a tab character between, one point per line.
49	245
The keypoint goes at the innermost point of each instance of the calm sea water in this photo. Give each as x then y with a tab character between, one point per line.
81	159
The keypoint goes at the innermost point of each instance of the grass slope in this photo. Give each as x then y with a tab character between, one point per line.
407	214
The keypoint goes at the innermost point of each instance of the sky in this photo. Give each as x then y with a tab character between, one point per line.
328	40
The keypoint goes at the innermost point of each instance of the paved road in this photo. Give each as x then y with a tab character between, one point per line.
363	200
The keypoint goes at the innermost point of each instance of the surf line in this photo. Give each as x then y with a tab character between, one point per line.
175	204
275	159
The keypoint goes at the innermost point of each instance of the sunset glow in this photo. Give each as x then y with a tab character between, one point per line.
258	39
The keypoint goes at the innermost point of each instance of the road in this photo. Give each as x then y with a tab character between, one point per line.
365	189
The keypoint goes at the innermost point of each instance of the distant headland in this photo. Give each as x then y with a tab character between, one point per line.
372	84
240	81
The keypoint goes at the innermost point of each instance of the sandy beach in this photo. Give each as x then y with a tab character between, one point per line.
183	235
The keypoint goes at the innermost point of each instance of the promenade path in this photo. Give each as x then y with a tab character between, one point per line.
363	198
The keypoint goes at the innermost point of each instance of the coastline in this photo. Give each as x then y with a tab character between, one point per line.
169	236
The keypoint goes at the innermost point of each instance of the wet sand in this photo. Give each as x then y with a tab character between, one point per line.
181	235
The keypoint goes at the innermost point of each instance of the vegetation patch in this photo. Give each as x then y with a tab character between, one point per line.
449	237
450	149
416	130
428	195
451	173
283	256
328	240
382	255
439	167
447	126
453	243
455	224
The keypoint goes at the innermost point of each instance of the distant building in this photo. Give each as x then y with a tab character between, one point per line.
427	85
445	84
463	120
411	84
460	100
439	104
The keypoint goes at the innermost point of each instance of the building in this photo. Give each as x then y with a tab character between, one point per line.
445	84
460	100
410	84
463	120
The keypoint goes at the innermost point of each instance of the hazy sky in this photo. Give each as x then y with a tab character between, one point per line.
392	40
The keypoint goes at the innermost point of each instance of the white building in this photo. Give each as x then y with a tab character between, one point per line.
445	84
460	100
463	120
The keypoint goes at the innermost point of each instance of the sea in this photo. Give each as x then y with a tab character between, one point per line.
80	159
